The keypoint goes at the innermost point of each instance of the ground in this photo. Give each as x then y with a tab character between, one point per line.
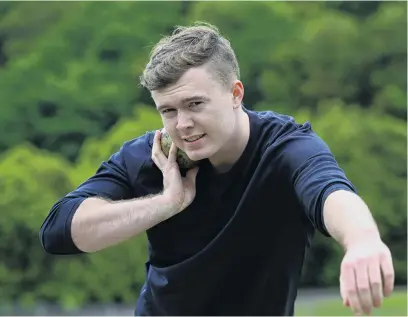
331	305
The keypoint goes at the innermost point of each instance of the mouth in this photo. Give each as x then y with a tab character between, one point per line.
194	138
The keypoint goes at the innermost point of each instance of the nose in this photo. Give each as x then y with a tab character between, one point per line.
184	121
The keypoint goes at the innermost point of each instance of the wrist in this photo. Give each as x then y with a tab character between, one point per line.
368	235
168	205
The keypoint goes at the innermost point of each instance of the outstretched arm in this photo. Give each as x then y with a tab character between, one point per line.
367	272
331	204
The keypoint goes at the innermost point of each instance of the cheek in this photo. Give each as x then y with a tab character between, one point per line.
225	120
170	127
168	123
219	129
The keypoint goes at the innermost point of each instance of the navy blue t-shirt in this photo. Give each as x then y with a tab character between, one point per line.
238	249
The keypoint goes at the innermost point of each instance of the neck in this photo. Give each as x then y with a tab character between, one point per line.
229	155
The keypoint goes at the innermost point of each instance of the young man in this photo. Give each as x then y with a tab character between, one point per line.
228	237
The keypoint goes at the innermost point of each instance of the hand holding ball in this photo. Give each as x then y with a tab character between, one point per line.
183	161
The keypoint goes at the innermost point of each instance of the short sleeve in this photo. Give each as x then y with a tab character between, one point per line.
309	166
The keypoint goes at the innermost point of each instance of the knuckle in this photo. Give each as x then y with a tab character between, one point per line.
347	265
365	289
385	253
389	275
360	261
363	281
356	262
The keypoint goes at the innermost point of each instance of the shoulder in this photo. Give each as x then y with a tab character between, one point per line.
276	129
140	146
285	141
133	153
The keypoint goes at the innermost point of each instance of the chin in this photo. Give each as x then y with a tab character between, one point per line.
196	156
199	155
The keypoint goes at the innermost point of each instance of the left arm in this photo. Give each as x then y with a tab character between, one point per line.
367	271
331	204
347	218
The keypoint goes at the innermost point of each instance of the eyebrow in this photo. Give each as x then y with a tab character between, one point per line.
185	100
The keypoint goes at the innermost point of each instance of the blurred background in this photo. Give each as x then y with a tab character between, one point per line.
69	98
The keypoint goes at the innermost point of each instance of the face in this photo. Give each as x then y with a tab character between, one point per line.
199	113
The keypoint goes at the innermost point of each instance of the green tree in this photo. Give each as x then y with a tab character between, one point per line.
78	78
30	181
256	41
96	150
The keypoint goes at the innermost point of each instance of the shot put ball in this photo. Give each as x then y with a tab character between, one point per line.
183	161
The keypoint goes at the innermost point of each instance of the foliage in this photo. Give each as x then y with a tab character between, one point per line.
78	78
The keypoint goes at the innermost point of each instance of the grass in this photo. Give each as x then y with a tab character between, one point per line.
396	305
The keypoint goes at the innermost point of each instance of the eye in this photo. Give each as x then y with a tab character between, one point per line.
167	110
195	103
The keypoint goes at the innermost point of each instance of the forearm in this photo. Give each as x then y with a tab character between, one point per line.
98	224
348	219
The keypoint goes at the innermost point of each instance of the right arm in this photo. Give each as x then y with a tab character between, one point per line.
98	224
101	213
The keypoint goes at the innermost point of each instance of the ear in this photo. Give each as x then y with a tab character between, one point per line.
237	93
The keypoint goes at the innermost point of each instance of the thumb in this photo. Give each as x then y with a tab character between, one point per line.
192	175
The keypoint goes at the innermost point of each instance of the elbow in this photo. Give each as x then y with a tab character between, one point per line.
47	242
50	240
55	232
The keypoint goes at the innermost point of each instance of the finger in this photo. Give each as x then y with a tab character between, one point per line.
343	294
354	301
350	287
363	287
388	273
374	273
158	156
173	153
